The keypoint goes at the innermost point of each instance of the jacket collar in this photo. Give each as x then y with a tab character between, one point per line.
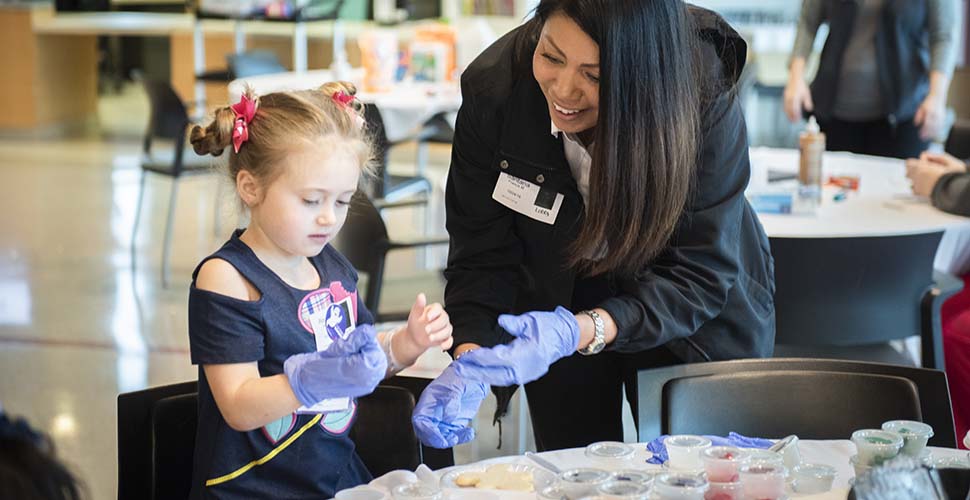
525	131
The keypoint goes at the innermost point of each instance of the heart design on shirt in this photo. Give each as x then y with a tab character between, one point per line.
278	429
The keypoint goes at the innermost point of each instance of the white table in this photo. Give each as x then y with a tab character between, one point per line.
834	453
404	109
883	206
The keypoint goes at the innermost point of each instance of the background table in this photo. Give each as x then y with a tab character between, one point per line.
404	109
835	453
884	205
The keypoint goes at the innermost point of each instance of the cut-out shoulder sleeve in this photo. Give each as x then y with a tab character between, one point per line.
224	328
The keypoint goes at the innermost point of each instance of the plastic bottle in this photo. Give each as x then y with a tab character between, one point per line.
811	145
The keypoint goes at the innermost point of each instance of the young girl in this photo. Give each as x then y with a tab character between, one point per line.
283	343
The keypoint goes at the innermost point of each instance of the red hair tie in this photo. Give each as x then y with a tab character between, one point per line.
245	111
342	98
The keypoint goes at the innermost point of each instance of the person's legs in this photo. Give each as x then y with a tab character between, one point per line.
902	141
577	402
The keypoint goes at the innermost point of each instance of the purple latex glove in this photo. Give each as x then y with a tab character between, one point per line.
659	451
541	338
446	408
348	368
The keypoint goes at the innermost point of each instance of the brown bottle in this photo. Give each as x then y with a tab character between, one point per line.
811	145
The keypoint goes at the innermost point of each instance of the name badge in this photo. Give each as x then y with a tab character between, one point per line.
531	200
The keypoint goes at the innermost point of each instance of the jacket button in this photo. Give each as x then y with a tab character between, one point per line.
504	164
540	178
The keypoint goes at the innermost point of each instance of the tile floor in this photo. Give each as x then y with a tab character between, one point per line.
80	324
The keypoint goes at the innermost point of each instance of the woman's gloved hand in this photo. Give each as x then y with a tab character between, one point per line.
348	368
542	338
446	408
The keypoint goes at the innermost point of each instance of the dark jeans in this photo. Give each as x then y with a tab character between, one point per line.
580	400
877	137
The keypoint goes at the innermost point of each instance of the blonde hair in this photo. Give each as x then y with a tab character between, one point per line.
285	120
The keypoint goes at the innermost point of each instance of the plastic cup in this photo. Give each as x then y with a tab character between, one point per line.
679	486
812	478
360	493
628	490
763	480
724	491
553	492
416	491
765	456
610	455
915	435
636	476
876	446
683	451
860	469
722	463
583	481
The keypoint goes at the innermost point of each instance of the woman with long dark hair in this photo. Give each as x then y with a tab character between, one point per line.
596	191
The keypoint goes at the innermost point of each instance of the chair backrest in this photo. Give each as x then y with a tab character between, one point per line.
812	398
174	423
375	127
136	413
958	140
364	241
168	120
851	291
252	63
383	432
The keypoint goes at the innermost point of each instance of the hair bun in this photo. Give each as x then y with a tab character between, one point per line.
214	138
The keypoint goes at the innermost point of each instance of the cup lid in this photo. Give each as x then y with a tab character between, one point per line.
687	441
584	475
820	471
908	427
609	449
877	438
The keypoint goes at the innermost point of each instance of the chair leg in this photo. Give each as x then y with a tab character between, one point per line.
421	157
134	226
169	222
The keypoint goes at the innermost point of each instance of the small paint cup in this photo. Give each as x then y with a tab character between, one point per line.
724	491
683	451
722	463
876	446
679	486
763	480
812	478
583	481
915	435
624	490
610	455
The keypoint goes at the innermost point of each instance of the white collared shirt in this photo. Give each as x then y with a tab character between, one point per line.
578	158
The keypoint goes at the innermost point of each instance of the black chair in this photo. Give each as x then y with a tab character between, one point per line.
253	63
169	121
958	140
437	130
846	298
365	242
812	398
156	438
157	427
387	186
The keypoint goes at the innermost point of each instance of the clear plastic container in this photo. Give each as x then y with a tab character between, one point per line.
416	491
679	486
583	481
812	478
610	455
860	469
553	492
915	435
724	491
636	476
362	492
683	451
722	463
627	490
763	480
876	446
765	456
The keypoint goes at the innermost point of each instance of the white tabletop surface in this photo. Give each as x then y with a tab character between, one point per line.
884	205
835	453
403	109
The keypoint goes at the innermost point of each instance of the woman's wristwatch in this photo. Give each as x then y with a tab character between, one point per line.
599	335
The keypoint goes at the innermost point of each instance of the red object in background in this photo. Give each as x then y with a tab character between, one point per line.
850	182
955	317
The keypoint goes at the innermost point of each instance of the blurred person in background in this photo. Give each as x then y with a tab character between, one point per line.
29	467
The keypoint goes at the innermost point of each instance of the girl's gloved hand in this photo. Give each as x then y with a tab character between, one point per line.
446	408
542	338
348	368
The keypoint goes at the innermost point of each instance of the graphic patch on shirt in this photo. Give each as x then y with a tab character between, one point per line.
337	306
339	421
277	430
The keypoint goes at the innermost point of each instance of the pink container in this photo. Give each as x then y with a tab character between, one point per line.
723	491
722	463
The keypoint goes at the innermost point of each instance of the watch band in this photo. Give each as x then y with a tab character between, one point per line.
599	334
